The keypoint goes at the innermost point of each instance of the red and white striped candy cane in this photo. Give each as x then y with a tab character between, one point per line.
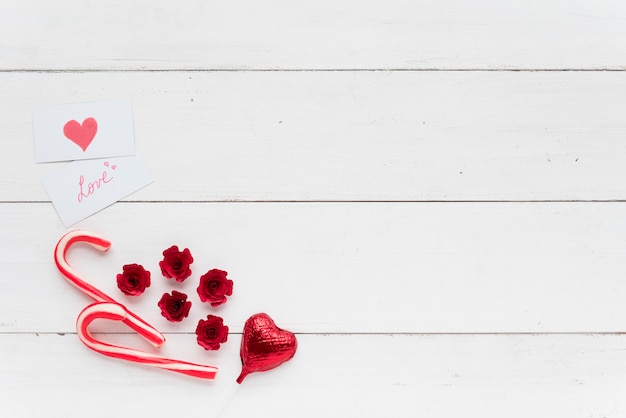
60	257
60	254
115	311
107	308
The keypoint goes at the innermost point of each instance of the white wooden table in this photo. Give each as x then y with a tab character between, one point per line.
430	194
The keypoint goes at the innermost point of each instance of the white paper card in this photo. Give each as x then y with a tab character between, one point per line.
82	131
82	188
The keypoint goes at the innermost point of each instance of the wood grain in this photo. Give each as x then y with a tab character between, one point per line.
346	136
429	193
577	376
312	34
340	267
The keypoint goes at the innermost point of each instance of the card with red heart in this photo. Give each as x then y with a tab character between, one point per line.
82	188
81	131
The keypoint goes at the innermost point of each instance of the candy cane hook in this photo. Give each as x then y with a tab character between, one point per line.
60	253
115	311
60	257
107	308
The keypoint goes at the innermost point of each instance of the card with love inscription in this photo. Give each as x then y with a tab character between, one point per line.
82	131
82	188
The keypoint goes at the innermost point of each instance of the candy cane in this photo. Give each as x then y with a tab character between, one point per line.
115	311
60	253
107	308
60	257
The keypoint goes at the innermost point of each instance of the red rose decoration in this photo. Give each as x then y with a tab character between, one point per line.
211	332
214	287
174	307
133	280
175	264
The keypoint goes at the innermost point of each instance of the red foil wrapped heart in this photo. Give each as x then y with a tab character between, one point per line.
264	346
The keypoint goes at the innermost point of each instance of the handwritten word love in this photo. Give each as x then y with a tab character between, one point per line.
89	188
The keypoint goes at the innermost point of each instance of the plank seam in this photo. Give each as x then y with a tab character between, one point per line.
13	202
306	70
425	334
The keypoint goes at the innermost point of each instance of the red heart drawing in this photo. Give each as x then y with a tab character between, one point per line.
264	346
81	135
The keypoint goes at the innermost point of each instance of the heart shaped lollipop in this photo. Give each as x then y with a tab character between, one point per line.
264	346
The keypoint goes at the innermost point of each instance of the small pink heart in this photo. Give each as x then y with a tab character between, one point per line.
106	164
114	166
81	135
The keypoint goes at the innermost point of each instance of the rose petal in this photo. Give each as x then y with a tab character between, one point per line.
214	287
174	307
211	332
133	280
175	263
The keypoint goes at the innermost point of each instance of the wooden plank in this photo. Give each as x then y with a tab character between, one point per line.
346	136
340	267
331	375
312	34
